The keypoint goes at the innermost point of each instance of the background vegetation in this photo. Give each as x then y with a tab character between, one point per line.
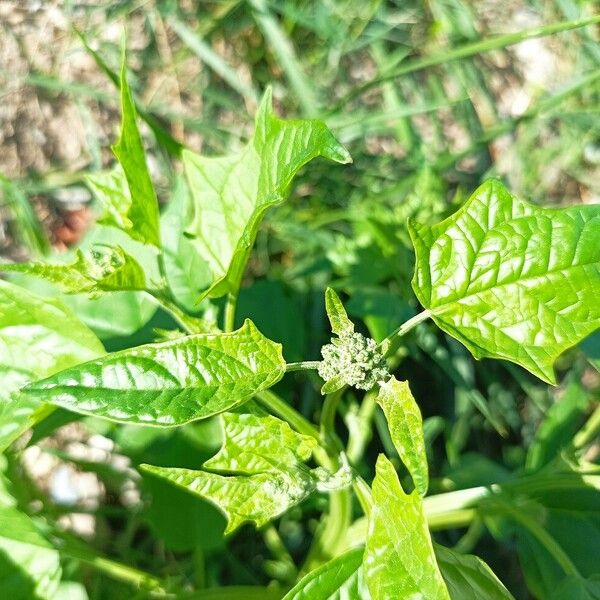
430	102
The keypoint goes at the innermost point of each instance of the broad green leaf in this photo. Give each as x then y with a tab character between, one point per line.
263	459
188	273
38	337
339	579
406	429
340	323
128	195
101	269
399	560
560	424
230	194
467	577
512	280
169	383
29	565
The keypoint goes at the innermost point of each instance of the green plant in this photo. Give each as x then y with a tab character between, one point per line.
507	279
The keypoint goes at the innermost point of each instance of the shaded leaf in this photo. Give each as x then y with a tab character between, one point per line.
339	579
406	429
512	280
399	560
169	383
467	577
101	269
264	462
230	194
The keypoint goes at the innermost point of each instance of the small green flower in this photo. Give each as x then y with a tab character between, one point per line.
355	359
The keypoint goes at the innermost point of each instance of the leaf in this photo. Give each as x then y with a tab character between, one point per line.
339	579
188	273
340	323
577	588
169	383
29	565
561	423
99	270
230	194
37	338
128	195
512	280
555	517
264	461
406	429
467	577
399	560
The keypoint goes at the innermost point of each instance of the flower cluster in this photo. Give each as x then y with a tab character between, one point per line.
356	359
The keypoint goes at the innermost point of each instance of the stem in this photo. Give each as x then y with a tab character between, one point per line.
410	324
589	432
304	365
230	307
282	409
542	536
112	568
360	428
470	49
363	493
276	546
334	524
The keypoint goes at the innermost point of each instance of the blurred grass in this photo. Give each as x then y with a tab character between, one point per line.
403	84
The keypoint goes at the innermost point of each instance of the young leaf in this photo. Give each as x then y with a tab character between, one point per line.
467	577
231	194
338	579
399	560
406	428
340	323
101	269
128	195
512	280
264	462
169	383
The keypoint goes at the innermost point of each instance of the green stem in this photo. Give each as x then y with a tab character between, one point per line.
363	493
277	548
470	49
230	307
543	537
282	409
589	432
304	365
113	569
336	521
401	331
360	432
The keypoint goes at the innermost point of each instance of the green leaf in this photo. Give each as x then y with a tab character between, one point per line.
339	579
101	269
467	577
340	323
38	337
512	280
561	423
128	195
188	273
399	560
264	462
29	565
576	588
169	383
406	429
230	194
